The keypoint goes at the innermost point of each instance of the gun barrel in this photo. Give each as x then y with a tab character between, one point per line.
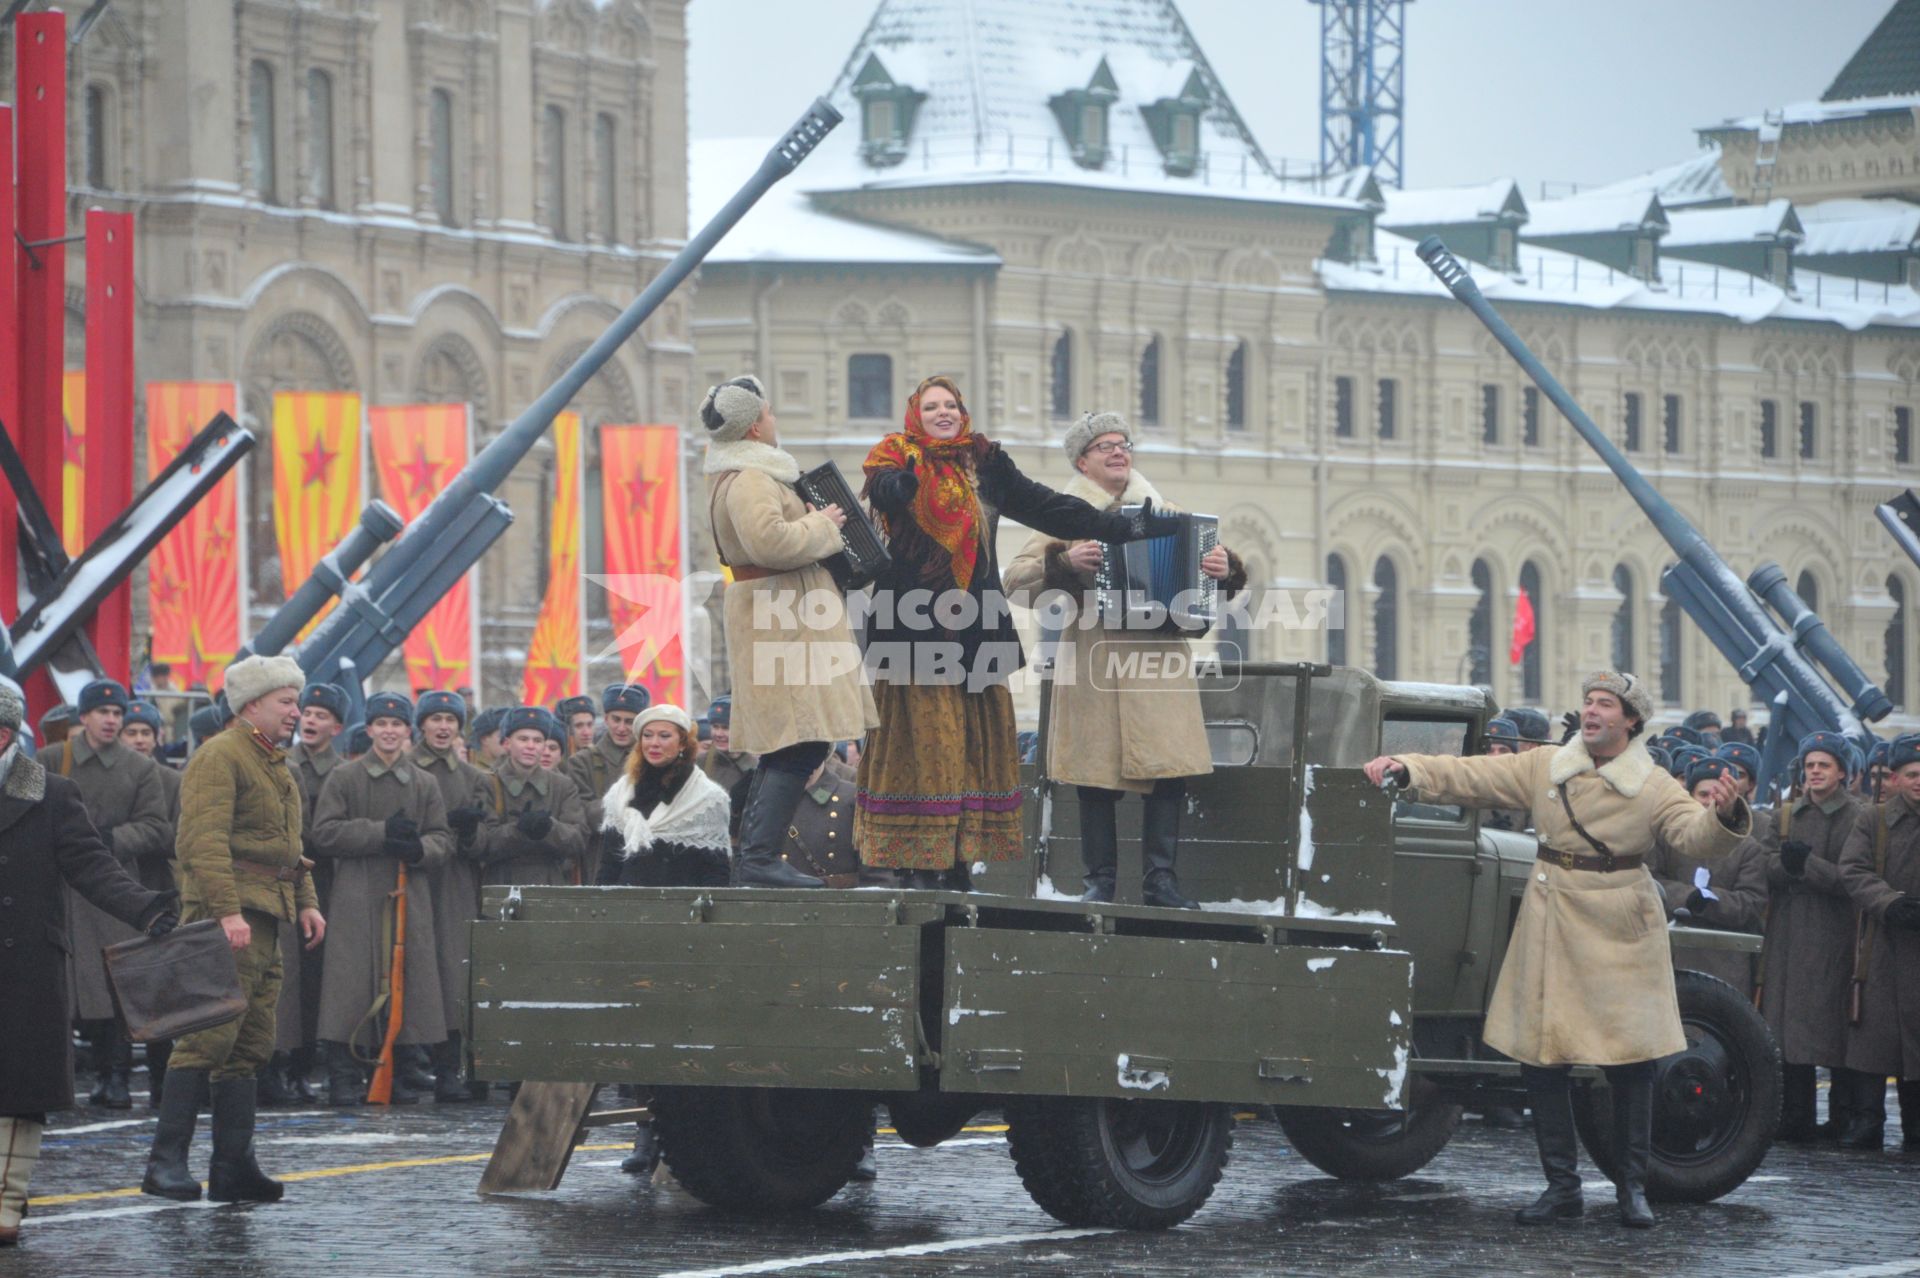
491	465
1901	518
1769	581
379	523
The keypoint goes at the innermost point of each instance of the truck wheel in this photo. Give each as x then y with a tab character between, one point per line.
1716	1105
760	1149
1364	1144
1126	1164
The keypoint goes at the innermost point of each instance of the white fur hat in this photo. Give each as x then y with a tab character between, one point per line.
731	408
1631	690
1092	426
665	712
252	678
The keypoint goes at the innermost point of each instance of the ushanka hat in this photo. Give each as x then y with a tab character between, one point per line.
631	698
441	703
330	697
1500	731
1741	756
1631	690
731	408
1091	426
1707	769
101	694
1903	751
252	678
144	712
1827	743
389	705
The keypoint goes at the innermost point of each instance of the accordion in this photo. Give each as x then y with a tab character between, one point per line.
863	556
1156	584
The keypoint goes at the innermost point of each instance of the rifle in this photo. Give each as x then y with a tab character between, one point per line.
1863	927
380	1090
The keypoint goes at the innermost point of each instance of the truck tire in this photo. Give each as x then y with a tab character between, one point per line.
1716	1105
1362	1144
1125	1164
760	1149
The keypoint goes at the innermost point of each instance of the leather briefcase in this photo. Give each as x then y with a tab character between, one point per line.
184	981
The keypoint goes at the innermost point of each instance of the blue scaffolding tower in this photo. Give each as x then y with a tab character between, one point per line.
1362	86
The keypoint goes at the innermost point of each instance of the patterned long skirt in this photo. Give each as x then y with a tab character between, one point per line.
940	779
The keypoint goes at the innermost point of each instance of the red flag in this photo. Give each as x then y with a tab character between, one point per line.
1522	628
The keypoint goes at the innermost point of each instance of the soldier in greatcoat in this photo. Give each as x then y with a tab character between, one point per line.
576	722
1588	976
455	883
1880	868
1733	896
313	757
534	831
125	799
143	731
377	814
594	769
1503	737
1806	964
724	766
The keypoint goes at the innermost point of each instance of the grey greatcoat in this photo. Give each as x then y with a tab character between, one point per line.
1807	964
455	882
156	868
122	793
296	1023
1739	885
350	830
1887	1039
593	772
509	856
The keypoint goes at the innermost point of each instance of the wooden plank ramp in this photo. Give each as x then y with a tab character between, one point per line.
537	1141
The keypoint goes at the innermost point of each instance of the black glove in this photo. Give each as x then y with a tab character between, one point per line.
1696	903
401	826
163	923
1904	913
1570	721
1793	857
1144	523
894	490
534	824
465	822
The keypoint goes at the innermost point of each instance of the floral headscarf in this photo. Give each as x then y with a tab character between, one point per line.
946	506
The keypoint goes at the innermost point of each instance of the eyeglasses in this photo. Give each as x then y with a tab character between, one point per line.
1102	449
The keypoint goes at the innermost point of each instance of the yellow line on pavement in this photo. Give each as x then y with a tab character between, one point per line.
317	1173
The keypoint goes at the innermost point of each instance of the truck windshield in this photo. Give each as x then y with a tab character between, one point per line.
1400	735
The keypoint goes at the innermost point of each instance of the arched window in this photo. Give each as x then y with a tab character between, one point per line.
870	387
440	144
320	138
1808	588
1531	682
97	137
1337	635
606	175
262	174
1623	618
1060	400
1237	388
1671	693
1150	383
1386	619
1480	626
1896	685
553	145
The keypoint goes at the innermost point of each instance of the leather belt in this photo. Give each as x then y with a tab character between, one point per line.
280	874
752	572
1588	861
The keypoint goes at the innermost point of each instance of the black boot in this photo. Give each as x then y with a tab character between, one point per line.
772	796
922	880
1160	845
1910	1113
158	1052
957	877
275	1081
299	1074
1839	1106
1632	1088
413	1065
448	1087
1866	1099
1798	1089
112	1066
646	1152
167	1175
232	1175
1559	1147
1099	841
866	1169
343	1076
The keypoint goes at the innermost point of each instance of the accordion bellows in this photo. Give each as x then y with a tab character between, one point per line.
1155	585
864	556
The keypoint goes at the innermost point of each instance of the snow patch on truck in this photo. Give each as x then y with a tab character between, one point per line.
527	1005
1140	1080
1044	890
1311	909
1306	823
1237	906
1320	964
955	1013
1396	1078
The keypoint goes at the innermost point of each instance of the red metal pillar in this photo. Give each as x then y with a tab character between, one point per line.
9	371
109	457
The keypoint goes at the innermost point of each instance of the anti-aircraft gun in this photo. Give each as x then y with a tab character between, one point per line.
1778	664
448	538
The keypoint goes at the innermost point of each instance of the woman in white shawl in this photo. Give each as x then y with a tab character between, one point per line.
671	818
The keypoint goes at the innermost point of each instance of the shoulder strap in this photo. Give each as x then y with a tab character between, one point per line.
66	757
1880	844
1579	829
713	499
499	794
1786	815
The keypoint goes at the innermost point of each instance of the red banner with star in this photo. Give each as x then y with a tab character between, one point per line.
73	469
417	450
193	575
640	494
316	480
554	665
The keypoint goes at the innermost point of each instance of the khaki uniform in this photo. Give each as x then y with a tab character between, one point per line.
123	795
455	883
350	829
1588	975
593	771
238	852
728	768
298	1022
509	856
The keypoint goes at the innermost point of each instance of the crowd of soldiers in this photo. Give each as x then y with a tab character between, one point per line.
1830	879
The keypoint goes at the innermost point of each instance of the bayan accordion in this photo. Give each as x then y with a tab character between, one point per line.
863	556
1156	584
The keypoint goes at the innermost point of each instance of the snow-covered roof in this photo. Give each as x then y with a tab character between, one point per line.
786	227
1595	213
1553	277
1454	205
989	70
1697	180
1742	224
1859	226
1817	112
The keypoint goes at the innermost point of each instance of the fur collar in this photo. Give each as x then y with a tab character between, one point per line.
696	818
1138	490
1626	773
751	454
26	777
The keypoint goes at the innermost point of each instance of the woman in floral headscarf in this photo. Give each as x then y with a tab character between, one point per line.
939	781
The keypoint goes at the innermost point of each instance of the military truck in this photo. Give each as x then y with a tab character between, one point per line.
1336	978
